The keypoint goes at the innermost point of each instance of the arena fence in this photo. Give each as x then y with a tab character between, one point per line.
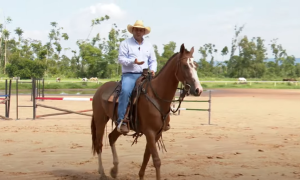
6	99
173	107
37	90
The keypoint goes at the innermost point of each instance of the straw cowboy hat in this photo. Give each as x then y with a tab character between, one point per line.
138	24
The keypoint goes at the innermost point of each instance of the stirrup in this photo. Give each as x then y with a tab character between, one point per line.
119	126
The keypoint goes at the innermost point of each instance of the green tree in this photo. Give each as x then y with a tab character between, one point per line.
169	50
24	68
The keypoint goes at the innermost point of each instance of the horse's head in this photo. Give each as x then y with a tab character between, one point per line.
187	71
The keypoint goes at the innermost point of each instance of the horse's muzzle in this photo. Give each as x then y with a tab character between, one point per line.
198	91
195	90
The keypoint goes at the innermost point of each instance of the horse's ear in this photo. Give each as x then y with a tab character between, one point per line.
192	50
182	48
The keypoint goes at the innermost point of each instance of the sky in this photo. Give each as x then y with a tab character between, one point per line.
192	22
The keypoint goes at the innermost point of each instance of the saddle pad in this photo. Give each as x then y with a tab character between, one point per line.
109	92
111	98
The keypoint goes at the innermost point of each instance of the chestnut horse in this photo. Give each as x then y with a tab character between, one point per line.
161	89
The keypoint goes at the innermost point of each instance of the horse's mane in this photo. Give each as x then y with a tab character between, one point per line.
165	64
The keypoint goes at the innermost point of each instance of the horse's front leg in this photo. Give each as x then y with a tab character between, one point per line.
145	162
151	144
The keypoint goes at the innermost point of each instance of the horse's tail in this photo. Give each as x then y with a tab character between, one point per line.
94	137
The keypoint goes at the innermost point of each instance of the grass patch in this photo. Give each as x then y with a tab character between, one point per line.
78	84
252	85
55	85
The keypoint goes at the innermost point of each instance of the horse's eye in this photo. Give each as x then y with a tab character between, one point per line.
186	66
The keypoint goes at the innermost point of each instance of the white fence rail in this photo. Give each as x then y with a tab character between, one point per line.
296	83
250	81
103	81
54	81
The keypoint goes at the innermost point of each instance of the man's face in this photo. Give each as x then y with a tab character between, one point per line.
138	33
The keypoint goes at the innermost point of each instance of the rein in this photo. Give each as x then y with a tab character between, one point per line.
184	91
143	90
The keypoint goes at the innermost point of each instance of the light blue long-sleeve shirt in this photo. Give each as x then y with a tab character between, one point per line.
130	50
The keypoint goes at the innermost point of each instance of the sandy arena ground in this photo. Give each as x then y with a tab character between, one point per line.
256	137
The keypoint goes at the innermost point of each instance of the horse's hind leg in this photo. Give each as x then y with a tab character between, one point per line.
97	128
113	136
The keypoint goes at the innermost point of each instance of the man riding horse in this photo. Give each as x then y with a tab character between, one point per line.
153	98
135	54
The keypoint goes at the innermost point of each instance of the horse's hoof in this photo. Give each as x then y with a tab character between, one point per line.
141	175
103	178
114	172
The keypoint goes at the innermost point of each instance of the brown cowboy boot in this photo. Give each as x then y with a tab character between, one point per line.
124	129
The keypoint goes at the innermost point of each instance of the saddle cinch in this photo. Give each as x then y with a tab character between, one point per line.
112	95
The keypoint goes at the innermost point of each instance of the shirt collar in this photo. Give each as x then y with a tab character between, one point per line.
133	39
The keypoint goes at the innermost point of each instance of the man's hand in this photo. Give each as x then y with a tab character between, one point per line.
152	73
137	62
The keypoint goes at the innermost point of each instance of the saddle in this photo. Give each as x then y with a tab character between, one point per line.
112	95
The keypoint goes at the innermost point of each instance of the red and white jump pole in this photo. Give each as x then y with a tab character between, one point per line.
65	99
64	111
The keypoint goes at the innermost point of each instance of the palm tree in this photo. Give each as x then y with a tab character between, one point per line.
1	30
6	34
19	32
51	37
54	24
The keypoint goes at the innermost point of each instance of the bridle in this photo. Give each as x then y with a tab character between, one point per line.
184	91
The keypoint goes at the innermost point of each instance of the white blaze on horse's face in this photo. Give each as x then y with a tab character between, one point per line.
192	68
197	88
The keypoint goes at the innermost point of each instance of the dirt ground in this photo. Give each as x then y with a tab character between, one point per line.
255	136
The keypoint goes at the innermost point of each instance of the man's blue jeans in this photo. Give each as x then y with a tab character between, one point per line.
128	83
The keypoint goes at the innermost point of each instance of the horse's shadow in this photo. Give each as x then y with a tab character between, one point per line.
67	174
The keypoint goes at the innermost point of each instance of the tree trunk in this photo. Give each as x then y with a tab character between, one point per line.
0	50
5	56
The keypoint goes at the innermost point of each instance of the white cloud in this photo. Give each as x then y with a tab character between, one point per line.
217	27
112	9
81	22
78	26
36	35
